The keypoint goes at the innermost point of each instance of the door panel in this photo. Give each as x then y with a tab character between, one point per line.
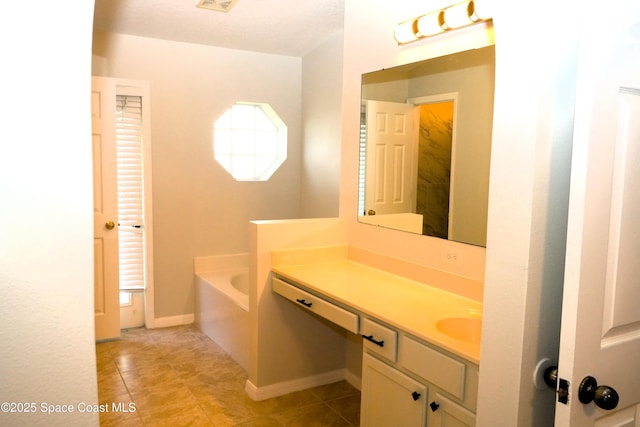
621	314
390	398
105	210
600	334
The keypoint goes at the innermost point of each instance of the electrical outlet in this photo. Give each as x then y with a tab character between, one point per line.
451	257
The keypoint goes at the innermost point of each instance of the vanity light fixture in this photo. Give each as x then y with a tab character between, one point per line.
456	16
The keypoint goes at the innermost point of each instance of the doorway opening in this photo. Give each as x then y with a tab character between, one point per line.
134	206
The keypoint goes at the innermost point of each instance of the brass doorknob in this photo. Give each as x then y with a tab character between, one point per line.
109	225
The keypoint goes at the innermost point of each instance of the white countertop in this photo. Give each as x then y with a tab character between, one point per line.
405	304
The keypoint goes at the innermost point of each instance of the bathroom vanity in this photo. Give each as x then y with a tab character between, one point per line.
421	344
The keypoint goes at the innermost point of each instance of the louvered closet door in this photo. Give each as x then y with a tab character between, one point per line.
130	191
131	210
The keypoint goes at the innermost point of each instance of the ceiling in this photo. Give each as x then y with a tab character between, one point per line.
284	27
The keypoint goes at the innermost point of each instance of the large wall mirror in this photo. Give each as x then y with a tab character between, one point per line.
425	146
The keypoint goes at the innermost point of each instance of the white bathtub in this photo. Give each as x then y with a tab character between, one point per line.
222	303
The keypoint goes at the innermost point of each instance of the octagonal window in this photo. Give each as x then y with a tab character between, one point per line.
250	141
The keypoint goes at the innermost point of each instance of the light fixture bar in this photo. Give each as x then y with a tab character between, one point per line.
455	16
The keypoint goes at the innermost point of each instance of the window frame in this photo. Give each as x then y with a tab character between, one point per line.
239	137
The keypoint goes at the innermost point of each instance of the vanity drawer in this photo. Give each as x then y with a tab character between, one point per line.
316	304
379	339
432	365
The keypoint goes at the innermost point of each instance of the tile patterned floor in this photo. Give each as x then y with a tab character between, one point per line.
179	377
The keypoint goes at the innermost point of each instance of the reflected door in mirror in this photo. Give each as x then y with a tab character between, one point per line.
390	151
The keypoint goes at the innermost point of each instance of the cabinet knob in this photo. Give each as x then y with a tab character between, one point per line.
434	406
415	395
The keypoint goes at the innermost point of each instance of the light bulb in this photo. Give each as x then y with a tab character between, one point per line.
431	24
481	10
405	32
458	15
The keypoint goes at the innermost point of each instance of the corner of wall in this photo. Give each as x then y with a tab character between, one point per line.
287	346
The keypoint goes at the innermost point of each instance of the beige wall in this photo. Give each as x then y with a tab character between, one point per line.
46	215
198	208
321	122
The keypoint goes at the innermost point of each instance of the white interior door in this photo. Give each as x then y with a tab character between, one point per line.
105	209
391	171
600	334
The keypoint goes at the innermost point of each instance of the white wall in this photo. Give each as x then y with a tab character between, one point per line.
46	214
321	121
528	202
198	208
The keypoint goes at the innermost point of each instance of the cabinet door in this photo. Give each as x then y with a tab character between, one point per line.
447	413
390	398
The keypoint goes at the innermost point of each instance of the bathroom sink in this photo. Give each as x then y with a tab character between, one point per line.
462	328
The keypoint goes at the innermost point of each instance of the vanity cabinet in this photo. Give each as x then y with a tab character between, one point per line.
389	397
450	414
406	381
425	387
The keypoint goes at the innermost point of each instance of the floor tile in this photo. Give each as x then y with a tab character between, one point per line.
178	376
335	390
318	415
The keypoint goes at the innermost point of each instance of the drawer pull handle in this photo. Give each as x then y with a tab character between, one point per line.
434	406
415	395
370	338
303	302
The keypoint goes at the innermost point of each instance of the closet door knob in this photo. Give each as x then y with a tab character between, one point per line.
603	396
109	225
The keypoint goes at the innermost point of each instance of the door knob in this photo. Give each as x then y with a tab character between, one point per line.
371	212
109	225
605	397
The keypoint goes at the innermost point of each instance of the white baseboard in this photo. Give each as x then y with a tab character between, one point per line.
279	389
353	379
165	322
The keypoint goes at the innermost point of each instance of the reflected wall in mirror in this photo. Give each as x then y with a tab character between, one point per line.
425	146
